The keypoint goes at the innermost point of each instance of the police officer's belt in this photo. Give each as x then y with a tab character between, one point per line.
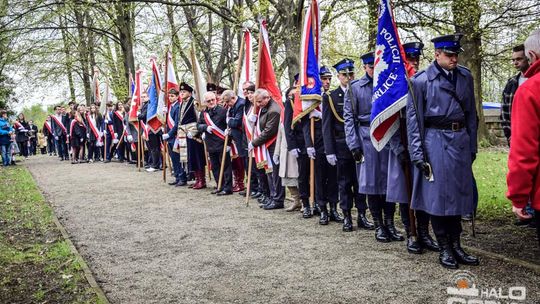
453	126
364	123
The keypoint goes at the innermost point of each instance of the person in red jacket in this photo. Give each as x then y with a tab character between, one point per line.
523	177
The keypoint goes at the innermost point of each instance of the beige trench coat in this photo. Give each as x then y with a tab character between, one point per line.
288	167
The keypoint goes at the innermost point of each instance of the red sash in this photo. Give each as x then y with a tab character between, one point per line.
93	127
60	124
170	120
215	129
48	126
262	156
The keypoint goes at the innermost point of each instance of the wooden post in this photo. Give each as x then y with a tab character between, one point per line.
139	146
165	144
312	166
248	188
207	162
223	157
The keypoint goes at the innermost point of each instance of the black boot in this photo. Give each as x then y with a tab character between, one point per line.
413	245
425	240
307	209
395	235
363	222
334	214
324	217
316	209
381	234
347	221
461	256
446	258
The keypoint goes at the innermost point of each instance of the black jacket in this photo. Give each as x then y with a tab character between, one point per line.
218	114
333	128
236	124
294	136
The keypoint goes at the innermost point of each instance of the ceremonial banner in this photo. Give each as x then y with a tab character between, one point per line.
266	78
390	87
198	77
155	104
107	97
247	72
135	98
96	95
310	51
171	83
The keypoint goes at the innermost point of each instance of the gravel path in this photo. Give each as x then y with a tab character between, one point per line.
147	242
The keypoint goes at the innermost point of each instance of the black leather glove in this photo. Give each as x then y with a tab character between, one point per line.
473	157
357	155
424	168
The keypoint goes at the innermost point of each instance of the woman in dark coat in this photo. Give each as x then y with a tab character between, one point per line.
77	135
21	131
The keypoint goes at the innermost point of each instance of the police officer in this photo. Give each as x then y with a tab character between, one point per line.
337	152
398	162
373	165
441	125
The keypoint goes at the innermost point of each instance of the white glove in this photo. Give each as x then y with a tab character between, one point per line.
209	129
130	138
56	137
275	158
250	146
311	152
227	119
315	114
332	159
164	110
165	136
189	135
252	118
138	113
203	136
116	135
106	121
82	140
115	141
163	129
227	132
99	144
100	134
87	135
295	152
228	149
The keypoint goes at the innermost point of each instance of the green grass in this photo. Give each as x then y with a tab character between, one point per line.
36	263
490	170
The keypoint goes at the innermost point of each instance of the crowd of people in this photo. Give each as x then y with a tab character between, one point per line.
426	166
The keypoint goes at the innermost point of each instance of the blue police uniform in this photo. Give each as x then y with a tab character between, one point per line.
442	129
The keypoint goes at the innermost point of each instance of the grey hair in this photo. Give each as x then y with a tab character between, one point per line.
532	43
209	94
261	92
227	94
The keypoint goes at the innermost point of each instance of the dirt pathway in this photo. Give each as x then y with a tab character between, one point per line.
147	242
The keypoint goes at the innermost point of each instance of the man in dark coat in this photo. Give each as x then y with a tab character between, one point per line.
212	123
268	121
337	152
170	137
187	128
441	130
235	130
153	140
372	165
59	133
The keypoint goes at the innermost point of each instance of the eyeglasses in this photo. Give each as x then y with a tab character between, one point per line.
213	99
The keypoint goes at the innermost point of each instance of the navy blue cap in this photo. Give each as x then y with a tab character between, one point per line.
211	87
345	66
368	58
325	72
448	43
413	49
185	87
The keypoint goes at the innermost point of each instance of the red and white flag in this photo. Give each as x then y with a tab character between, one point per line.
170	83
136	98
266	77
198	76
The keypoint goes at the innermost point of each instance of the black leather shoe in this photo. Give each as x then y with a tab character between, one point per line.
392	231
215	191
181	183
446	258
266	201
273	205
222	193
316	210
242	193
461	256
412	243
261	198
324	218
381	234
363	222
307	211
425	240
256	194
347	221
334	215
173	183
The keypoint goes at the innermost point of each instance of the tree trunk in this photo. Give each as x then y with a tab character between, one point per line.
69	63
373	15
124	24
467	21
83	53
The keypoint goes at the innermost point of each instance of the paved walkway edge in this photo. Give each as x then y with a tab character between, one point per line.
496	256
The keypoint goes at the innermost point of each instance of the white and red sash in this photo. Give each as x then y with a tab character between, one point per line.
48	126
93	127
60	124
144	129
170	120
234	150
121	117
18	125
110	127
215	129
